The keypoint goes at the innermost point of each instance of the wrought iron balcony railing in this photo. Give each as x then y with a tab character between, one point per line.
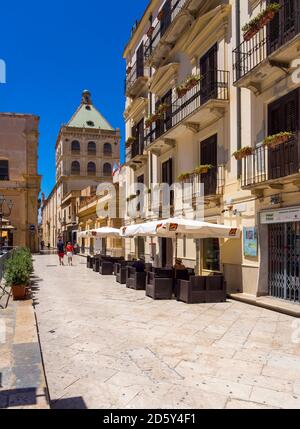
136	149
134	73
267	164
213	182
163	25
281	30
213	86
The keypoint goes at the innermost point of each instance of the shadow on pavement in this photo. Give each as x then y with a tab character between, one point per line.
76	403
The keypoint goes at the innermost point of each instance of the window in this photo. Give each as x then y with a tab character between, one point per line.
75	168
4	174
91	169
75	146
92	148
211	254
107	170
107	149
90	123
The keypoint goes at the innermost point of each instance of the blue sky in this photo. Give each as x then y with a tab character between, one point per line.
54	50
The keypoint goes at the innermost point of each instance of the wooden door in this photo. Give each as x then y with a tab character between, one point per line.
209	71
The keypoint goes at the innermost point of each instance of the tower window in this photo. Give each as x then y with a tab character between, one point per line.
75	146
92	148
91	169
4	173
75	168
107	149
107	169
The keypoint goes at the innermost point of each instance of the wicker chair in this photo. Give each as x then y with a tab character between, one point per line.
135	280
215	288
96	264
192	291
160	284
106	268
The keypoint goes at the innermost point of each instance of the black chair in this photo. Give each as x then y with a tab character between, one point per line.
192	291
160	284
106	268
135	280
216	288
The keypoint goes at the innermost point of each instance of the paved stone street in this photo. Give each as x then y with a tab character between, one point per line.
108	346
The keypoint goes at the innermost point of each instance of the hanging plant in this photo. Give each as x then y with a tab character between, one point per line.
183	176
277	139
203	169
243	153
130	141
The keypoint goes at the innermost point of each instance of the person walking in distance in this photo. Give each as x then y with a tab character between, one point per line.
70	252
61	250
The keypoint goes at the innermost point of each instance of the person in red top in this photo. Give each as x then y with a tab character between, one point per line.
70	251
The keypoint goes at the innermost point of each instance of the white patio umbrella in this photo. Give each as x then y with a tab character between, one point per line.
105	232
147	229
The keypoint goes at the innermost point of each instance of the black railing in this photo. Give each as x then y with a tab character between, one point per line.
162	26
206	184
136	149
213	86
283	28
268	163
133	74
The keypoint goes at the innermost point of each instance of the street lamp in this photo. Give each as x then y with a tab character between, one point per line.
3	213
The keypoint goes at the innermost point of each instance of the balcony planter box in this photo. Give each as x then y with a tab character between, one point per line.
150	31
189	83
130	141
183	177
203	169
160	15
260	21
277	139
243	153
181	92
249	34
163	108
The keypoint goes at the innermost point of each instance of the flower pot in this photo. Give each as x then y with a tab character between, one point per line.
150	31
181	92
18	292
250	33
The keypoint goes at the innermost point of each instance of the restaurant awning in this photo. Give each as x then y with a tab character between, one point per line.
105	232
148	229
175	227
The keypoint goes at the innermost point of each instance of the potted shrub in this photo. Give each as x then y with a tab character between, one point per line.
17	273
203	169
242	153
276	139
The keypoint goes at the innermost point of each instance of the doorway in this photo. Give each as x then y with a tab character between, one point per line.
166	246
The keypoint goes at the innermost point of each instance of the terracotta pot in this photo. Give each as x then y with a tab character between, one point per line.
181	93
19	292
250	33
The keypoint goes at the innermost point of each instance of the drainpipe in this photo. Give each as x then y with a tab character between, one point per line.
238	96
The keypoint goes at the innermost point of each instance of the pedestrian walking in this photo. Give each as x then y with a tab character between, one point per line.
70	252
61	250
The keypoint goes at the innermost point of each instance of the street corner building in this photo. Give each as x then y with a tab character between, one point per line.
212	98
19	179
87	148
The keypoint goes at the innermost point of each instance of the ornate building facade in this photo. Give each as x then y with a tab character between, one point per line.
86	150
19	179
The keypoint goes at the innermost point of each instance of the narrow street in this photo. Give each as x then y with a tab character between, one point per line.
105	346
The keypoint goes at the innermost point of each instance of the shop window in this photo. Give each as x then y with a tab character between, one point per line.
211	254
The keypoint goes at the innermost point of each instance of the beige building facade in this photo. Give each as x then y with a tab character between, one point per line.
19	179
197	93
87	149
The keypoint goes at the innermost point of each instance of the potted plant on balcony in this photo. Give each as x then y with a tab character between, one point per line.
277	139
192	81
130	141
162	109
150	31
260	21
17	273
183	176
152	118
243	153
160	15
269	13
251	28
203	169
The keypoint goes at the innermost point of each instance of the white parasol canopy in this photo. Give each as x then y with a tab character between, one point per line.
83	234
175	227
105	232
147	229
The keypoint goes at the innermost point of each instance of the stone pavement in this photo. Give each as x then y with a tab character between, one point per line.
22	382
106	346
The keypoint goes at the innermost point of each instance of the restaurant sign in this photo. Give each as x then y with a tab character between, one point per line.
280	216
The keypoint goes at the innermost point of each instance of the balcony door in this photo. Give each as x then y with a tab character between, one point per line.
165	123
208	156
166	18
283	115
140	61
285	25
208	71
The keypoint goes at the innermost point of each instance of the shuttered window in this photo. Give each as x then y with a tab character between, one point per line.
208	156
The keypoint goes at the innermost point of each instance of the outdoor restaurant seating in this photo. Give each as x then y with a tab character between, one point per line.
202	289
136	280
160	284
106	268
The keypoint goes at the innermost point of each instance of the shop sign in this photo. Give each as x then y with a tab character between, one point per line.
280	216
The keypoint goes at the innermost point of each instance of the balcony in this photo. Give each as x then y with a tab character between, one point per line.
135	155
271	168
168	29
136	80
266	57
200	107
